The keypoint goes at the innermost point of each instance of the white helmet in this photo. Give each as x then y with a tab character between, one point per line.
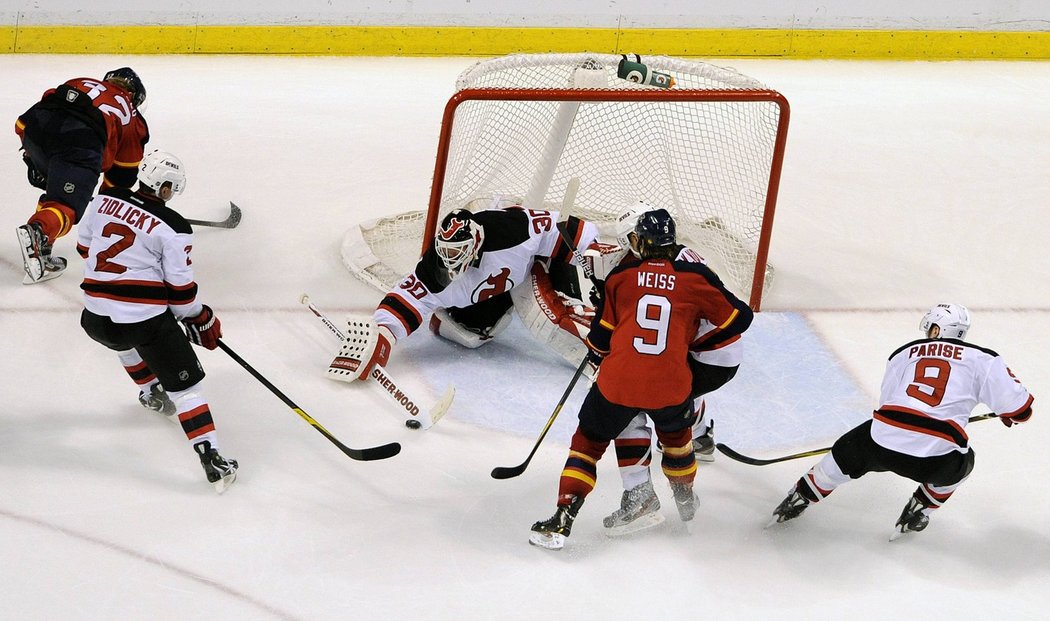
952	319
458	242
160	167
627	220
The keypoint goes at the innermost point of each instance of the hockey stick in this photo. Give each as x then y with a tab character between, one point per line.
230	222
509	472
366	454
415	419
755	461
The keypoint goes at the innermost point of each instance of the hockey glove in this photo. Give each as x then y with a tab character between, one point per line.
1020	417
37	179
204	329
380	353
602	258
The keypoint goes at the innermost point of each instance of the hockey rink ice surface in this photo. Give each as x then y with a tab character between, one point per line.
905	184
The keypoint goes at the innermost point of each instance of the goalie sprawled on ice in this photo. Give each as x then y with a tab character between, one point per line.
480	266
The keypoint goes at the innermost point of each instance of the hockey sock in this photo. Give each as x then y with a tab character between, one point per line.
678	463
581	468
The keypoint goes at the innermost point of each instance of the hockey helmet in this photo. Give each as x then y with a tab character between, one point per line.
458	242
952	319
655	229
627	220
160	167
126	78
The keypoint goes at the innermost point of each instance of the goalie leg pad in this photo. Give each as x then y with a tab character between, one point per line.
443	325
553	320
366	346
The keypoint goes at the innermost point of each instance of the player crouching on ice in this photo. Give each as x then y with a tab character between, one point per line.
918	431
643	329
463	284
138	285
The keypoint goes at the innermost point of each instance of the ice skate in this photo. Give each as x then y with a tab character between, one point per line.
685	499
790	508
704	445
38	263
158	401
912	520
639	510
551	533
221	472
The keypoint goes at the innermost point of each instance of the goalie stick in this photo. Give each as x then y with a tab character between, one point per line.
389	386
755	461
230	222
366	454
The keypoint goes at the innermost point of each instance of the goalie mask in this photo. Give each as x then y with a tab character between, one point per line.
458	242
160	167
626	222
952	319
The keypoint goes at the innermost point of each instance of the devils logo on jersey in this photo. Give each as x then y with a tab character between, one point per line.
493	286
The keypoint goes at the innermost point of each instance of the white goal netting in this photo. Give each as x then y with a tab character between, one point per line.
520	127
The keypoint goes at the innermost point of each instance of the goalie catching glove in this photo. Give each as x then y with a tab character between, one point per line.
366	346
204	328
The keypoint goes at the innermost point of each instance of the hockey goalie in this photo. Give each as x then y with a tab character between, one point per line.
481	266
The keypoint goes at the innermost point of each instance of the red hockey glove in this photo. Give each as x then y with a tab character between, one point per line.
204	329
1018	418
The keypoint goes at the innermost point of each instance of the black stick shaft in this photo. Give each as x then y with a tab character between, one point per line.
367	454
509	472
756	461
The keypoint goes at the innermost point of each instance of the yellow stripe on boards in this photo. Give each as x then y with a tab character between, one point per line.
336	40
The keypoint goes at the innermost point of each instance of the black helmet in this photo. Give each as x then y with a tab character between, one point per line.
130	81
655	229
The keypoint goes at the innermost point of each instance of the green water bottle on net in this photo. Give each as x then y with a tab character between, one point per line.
638	72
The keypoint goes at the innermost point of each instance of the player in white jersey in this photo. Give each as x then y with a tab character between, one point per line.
138	285
930	388
463	282
639	505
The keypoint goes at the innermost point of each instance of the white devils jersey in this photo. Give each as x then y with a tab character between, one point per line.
514	239
930	389
136	258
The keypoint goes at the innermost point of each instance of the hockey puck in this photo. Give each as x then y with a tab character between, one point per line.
413	424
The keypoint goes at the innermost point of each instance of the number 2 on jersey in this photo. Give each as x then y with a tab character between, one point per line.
937	382
103	261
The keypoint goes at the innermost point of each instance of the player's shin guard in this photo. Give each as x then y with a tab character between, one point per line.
195	416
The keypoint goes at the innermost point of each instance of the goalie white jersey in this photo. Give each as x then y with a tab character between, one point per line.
514	239
930	389
136	258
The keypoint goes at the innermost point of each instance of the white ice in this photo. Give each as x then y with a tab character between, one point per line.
905	184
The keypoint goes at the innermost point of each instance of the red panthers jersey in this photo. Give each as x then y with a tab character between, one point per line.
648	318
108	108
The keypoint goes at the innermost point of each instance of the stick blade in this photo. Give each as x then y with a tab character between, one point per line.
235	216
374	453
507	472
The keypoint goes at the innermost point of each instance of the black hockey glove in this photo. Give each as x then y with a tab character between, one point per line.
37	179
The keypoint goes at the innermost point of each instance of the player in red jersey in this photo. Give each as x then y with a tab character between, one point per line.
645	326
918	431
78	131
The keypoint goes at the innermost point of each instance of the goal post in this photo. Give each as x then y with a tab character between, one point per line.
709	149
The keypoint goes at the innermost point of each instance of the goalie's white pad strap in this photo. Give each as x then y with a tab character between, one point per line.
361	338
448	328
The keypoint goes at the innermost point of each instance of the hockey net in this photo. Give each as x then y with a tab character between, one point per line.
520	128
